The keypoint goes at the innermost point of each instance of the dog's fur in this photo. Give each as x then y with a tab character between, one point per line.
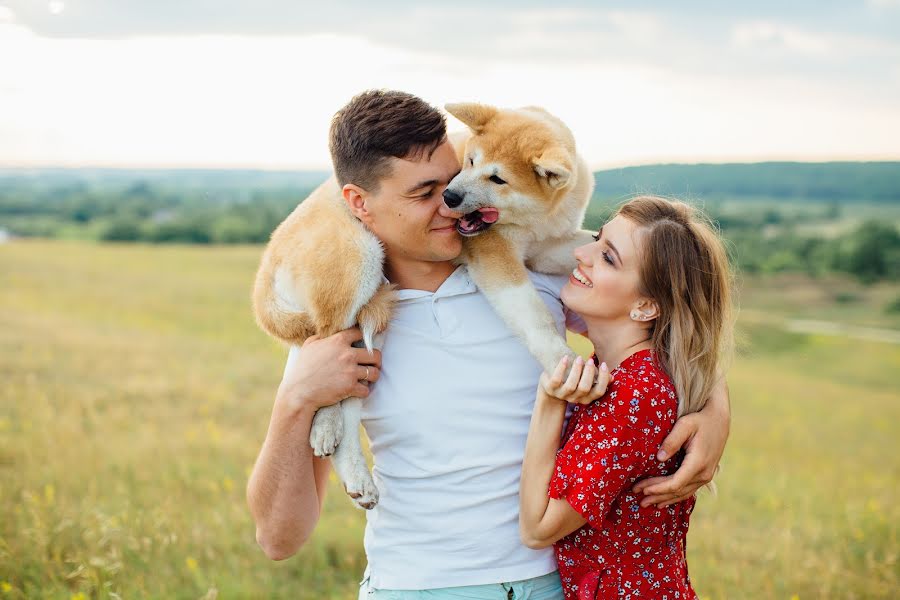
322	269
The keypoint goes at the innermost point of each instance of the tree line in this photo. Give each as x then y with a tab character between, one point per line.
768	212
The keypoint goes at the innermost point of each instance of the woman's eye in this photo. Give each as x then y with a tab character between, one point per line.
596	237
497	180
606	257
427	194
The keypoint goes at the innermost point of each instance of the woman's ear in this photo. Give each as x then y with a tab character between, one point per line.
645	309
355	197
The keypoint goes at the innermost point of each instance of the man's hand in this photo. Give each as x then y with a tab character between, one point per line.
327	370
703	436
584	384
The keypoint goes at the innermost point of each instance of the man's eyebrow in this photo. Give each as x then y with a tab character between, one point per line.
422	185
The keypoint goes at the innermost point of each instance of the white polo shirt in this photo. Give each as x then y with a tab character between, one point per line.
447	423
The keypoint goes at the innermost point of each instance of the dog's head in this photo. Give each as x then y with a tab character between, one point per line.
517	167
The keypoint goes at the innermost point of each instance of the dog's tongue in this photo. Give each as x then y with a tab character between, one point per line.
489	214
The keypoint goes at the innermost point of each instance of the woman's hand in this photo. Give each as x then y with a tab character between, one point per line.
584	384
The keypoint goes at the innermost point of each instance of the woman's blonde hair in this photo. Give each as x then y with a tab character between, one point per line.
684	268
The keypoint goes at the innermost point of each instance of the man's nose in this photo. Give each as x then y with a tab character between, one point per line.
451	198
447	212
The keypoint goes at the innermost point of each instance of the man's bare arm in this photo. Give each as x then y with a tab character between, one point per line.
703	435
287	487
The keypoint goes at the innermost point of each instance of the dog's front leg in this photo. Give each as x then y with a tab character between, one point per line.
349	462
556	256
499	272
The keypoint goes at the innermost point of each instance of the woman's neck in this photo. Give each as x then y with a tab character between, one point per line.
614	341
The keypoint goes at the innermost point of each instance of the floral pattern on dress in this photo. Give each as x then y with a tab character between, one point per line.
624	551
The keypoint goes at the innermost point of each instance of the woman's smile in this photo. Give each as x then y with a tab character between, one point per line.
579	278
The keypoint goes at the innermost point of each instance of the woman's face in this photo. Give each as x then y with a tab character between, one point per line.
605	284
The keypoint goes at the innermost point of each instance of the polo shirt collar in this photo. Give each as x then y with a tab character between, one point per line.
456	284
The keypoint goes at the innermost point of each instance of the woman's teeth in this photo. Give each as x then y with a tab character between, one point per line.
581	278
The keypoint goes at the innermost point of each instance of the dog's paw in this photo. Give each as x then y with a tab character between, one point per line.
327	431
361	488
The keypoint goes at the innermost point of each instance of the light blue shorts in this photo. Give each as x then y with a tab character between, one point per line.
545	587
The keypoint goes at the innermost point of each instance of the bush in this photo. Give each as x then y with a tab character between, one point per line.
121	230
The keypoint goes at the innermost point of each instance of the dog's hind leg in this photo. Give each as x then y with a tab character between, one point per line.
348	459
327	430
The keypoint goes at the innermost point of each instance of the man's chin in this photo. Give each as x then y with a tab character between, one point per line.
450	250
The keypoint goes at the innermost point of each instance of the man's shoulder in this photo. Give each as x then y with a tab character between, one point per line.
551	284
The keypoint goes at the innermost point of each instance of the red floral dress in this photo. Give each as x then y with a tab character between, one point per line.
623	551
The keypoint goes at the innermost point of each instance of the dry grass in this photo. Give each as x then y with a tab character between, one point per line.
136	391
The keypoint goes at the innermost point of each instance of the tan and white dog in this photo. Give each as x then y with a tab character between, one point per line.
524	191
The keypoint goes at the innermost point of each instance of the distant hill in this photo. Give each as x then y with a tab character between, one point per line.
829	181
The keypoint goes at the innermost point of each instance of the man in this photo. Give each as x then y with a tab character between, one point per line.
449	416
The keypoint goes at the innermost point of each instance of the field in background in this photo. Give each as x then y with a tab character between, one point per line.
136	391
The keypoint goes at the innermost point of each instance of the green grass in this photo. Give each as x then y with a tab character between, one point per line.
135	391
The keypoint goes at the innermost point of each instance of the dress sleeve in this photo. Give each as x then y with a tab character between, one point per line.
611	446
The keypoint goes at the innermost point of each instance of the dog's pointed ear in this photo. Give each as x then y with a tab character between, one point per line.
474	115
555	164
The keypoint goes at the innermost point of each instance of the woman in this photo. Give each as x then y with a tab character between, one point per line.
654	291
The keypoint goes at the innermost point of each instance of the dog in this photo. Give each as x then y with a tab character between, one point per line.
523	190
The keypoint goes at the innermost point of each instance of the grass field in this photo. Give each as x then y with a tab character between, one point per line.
135	391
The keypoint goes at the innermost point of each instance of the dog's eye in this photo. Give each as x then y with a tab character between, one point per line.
471	162
497	180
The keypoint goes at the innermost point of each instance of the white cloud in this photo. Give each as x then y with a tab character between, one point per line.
881	4
767	34
267	101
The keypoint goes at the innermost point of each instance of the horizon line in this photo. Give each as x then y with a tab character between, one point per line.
322	168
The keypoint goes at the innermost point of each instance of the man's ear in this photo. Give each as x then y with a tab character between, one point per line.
555	164
646	310
356	197
473	115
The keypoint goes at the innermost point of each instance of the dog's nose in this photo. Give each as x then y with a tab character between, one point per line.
452	199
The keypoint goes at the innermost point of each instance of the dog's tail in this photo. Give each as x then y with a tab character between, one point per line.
280	317
374	315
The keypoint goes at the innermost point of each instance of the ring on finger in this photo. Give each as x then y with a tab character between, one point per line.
367	374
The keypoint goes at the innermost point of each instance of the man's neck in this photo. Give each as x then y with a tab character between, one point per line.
417	274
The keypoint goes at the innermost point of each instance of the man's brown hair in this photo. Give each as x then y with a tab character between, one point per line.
377	125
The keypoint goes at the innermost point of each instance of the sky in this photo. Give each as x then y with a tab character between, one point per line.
237	84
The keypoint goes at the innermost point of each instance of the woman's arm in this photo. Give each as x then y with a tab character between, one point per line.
543	520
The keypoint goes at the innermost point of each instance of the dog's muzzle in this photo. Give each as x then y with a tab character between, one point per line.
452	199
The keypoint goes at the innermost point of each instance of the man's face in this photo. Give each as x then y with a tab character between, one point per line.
408	213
